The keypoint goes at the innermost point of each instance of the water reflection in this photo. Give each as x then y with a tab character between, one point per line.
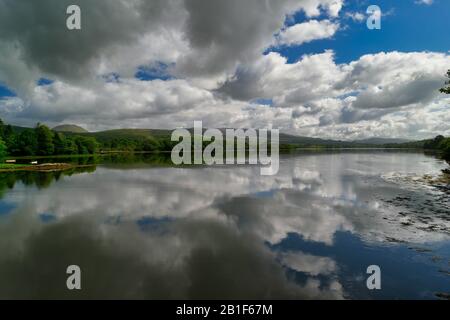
141	229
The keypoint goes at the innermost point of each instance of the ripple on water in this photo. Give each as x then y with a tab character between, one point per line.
423	202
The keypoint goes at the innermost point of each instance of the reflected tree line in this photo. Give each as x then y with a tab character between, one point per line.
36	178
43	179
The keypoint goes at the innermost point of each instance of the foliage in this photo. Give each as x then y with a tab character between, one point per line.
434	144
444	146
447	83
3	149
31	178
86	145
44	137
439	143
26	143
41	141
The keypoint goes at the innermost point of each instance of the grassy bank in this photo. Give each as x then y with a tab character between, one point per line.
11	166
45	167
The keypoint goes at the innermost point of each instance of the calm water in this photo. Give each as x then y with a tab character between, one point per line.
141	229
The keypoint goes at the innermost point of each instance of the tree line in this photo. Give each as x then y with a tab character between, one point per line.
42	141
439	143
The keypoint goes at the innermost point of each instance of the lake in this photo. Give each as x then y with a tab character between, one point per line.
141	229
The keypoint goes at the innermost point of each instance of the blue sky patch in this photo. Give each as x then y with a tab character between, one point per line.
266	102
47	218
44	82
156	71
151	223
6	92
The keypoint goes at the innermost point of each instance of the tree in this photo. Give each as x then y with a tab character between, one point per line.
149	145
45	140
444	145
434	144
7	134
2	150
446	90
86	145
59	141
71	147
26	144
5	130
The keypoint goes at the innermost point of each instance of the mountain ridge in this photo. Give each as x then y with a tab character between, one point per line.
285	138
71	128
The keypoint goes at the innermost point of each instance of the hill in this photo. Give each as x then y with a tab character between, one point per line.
150	139
132	139
69	128
309	142
130	134
19	129
382	141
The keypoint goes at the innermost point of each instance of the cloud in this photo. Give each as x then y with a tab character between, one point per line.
356	16
312	7
125	100
395	79
322	93
307	32
272	77
313	96
426	2
222	34
309	264
202	39
225	34
41	39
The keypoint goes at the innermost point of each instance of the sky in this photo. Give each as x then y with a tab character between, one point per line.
307	67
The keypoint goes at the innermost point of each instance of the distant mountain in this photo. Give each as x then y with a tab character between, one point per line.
381	141
306	141
130	135
70	128
285	139
109	136
19	129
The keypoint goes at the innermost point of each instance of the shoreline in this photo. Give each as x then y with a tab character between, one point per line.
45	167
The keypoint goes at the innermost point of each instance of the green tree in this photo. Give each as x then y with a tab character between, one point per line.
444	145
3	150
6	134
86	145
2	128
45	140
59	141
26	143
70	146
91	145
434	144
446	90
149	145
